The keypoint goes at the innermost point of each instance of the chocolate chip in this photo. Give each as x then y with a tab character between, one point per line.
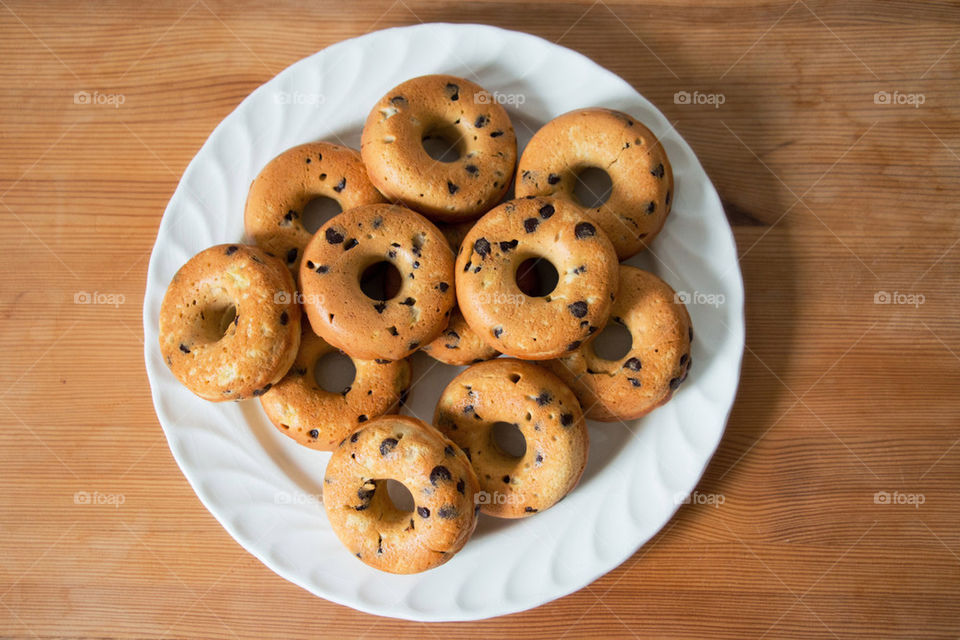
467	266
553	178
443	286
292	255
573	346
635	382
355	437
566	419
388	445
482	247
340	185
314	434
310	264
409	302
462	486
584	230
544	398
530	510
413	345
322	268
668	198
683	359
260	392
377	222
452	188
531	224
508	245
496	134
393	331
468	408
447	512
633	364
651	207
582	268
546	211
361	417
398	101
284	318
578	309
538	459
439	473
288	218
423	512
506	479
350	244
380	306
657	171
453	91
184	348
471	169
466	451
481	122
232	249
674	383
497	331
334	236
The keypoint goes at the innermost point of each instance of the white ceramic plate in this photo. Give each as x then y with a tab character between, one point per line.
265	489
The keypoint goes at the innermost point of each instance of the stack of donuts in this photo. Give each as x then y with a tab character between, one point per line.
453	264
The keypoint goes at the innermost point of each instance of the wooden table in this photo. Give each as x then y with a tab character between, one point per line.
835	507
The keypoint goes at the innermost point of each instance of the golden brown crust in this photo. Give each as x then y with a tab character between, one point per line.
535	328
220	356
635	160
435	471
545	411
392	147
273	217
658	361
336	258
459	344
320	419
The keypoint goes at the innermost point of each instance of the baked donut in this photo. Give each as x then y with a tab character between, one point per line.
545	411
642	180
434	470
463	115
459	344
320	419
361	238
658	360
278	195
229	324
528	327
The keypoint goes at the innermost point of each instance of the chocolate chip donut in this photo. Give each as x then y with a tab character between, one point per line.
229	324
631	155
360	238
434	470
461	114
320	419
658	360
545	411
459	344
278	195
528	327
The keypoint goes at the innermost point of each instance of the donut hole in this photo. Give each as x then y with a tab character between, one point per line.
593	187
216	320
508	439
381	281
613	343
537	277
400	496
318	211
334	372
443	143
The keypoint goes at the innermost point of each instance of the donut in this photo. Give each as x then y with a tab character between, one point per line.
642	180
545	411
341	252
463	115
488	265
320	419
657	363
435	471
459	344
229	324
273	217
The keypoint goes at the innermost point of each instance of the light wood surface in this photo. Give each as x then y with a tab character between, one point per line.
833	198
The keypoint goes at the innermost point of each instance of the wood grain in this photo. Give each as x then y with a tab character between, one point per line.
833	198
